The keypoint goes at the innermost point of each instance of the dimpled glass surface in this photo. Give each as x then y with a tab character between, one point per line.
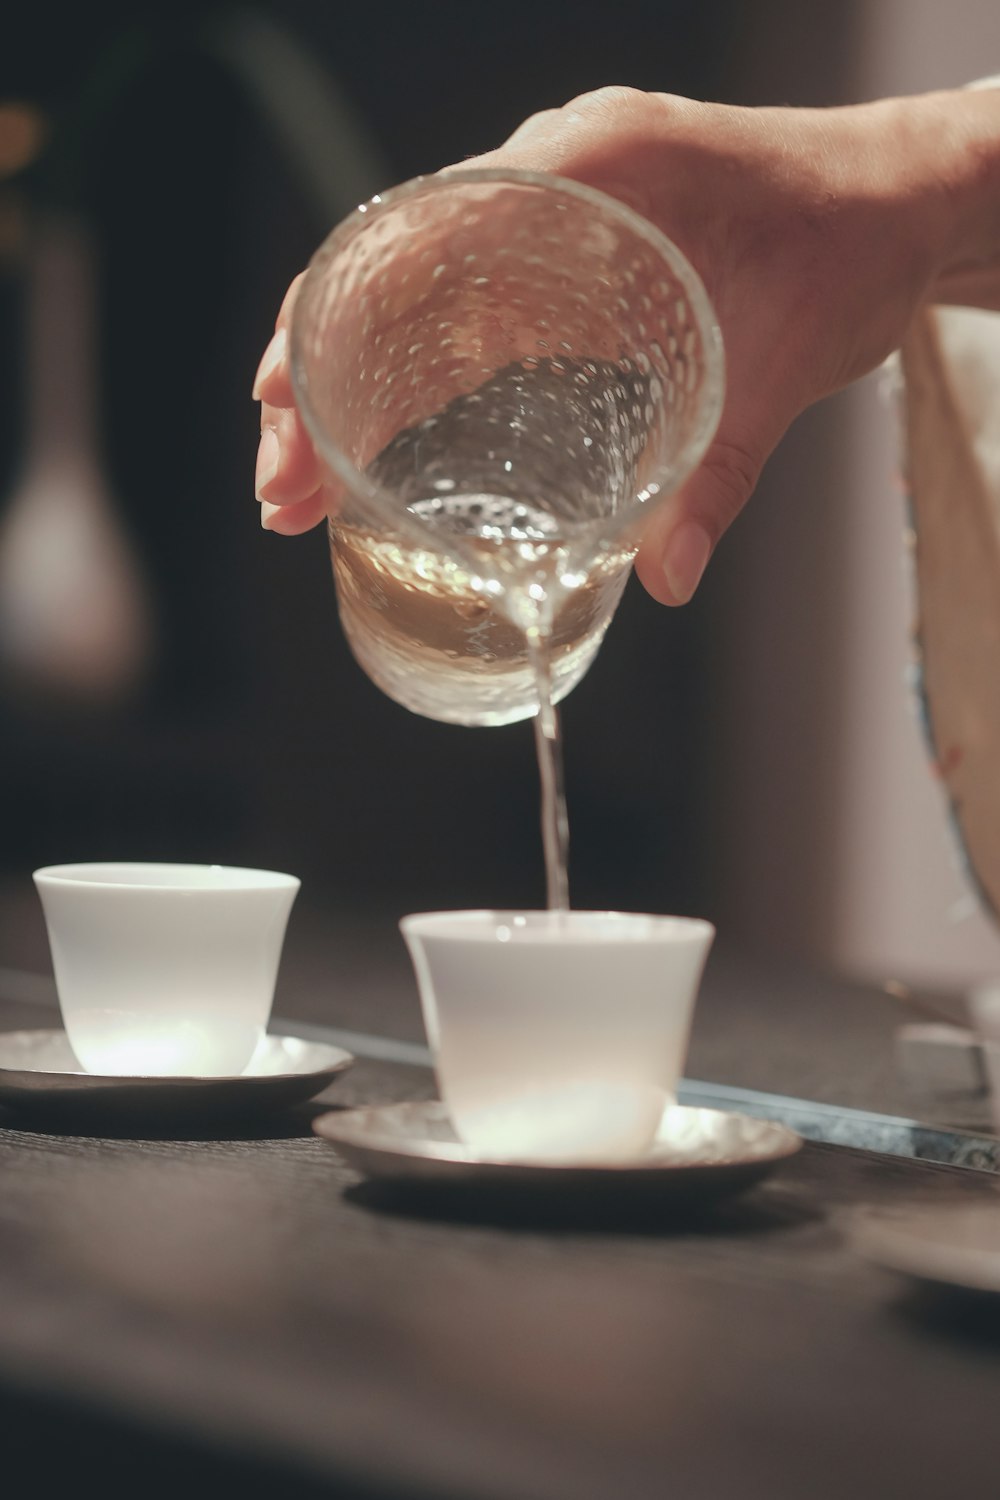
566	345
502	374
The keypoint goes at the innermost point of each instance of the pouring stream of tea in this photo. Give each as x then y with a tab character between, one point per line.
548	748
507	613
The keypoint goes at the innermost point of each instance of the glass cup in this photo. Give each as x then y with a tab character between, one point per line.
557	1036
165	970
502	373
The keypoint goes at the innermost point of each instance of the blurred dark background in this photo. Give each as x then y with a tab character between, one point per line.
247	734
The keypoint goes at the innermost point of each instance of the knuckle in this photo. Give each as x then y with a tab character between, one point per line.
613	98
540	118
734	470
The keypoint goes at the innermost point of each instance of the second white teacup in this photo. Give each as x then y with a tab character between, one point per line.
165	969
557	1036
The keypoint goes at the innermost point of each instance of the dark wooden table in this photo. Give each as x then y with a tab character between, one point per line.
234	1312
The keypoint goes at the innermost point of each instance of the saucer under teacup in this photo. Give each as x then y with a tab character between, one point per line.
40	1074
697	1151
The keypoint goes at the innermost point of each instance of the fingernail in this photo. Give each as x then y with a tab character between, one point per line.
267	461
267	510
270	359
684	561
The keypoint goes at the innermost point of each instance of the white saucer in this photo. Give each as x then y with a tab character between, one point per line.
39	1071
957	1247
705	1150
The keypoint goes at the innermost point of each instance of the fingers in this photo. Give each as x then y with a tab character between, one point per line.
288	480
273	383
681	538
287	470
292	520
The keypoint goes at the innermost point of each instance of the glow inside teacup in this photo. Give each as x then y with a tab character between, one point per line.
165	970
557	1036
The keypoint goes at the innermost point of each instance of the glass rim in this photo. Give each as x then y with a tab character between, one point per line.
711	395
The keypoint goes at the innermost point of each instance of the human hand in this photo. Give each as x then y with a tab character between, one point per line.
817	233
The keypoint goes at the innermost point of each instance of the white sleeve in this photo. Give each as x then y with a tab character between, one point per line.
951	399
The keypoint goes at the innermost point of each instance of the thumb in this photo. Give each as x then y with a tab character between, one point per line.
681	537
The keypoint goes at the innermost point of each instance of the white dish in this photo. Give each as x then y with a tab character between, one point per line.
38	1071
701	1150
956	1247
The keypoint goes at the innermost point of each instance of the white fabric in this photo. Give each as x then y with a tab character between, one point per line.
970	342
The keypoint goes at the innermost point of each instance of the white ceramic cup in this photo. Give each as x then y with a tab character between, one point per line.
165	969
557	1035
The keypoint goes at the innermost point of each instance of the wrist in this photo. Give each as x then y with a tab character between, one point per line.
952	142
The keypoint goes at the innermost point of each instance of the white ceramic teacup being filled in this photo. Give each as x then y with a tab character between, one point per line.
165	970
557	1036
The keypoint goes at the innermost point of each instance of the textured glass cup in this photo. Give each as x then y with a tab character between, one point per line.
557	1035
165	970
502	374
